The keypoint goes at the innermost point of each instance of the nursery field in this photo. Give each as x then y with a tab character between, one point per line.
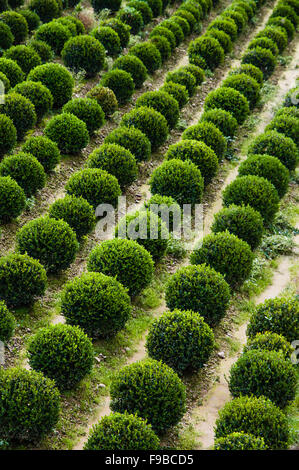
149	225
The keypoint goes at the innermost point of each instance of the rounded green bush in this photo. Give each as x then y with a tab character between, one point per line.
42	148
32	18
265	43
249	6
227	254
243	221
261	58
250	70
264	373
199	153
208	133
57	79
108	38
68	24
183	23
24	56
143	8
26	170
287	12
270	342
236	17
122	431
133	66
47	10
226	25
55	34
6	36
122	29
8	134
69	133
286	125
50	241
148	54
175	29
77	212
12	199
223	120
29	405
292	3
105	98
180	339
230	100
17	24
183	77
223	39
167	209
131	17
126	260
277	145
277	35
152	390
285	24
177	91
94	185
246	85
240	441
149	121
88	111
21	111
62	353
209	49
163	103
99	5
291	111
84	53
279	315
196	71
179	179
39	95
200	289
164	32
7	323
268	167
162	44
99	304
188	16
195	8
120	82
132	139
116	160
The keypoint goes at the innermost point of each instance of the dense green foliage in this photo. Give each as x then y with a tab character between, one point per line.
223	120
69	132
261	58
163	103
148	54
120	82
8	134
12	199
133	66
39	95
21	111
230	100
24	56
88	110
209	49
132	139
7	323
105	98
270	342
240	441
44	150
208	133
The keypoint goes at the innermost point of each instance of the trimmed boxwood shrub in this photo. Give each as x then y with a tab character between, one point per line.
8	134
180	339
84	53
264	373
240	441
250	6
162	44
42	49
26	170
131	17
148	54
291	111
250	70
143	8
149	121
164	32
196	71
158	204
208	133
122	431
12	199
30	405
7	323
132	139
57	79
268	167
227	254
270	342
256	191
257	416
277	145
223	39
132	65
77	212
24	56
287	125
226	25
292	3
99	5
6	36
261	58
54	34
199	153
68	24
179	92
209	49
21	111
105	98
162	102
179	179
126	260
287	12
152	390
222	119
62	353
140	227
42	148
183	23
50	241
122	29
265	43
88	110
246	85
117	161
99	304
200	289
39	95
279	315
188	16
230	100
277	35
175	29
94	185
108	38
243	221
193	7
120	82
236	17
17	24
183	77
80	28
47	10
12	71
285	24
69	132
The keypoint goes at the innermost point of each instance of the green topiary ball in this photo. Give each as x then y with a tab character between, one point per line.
132	18
161	31
195	8
68	24
21	111
69	133
99	5
12	199
105	98
148	54
42	148
236	17
50	241
264	373
279	315
250	70
179	179
209	49
227	254
230	100
77	212
261	58
277	145
39	95
132	65
183	77
8	134
32	18
122	431
22	279
7	323
132	139
175	29
108	38
287	12
277	34
226	25
126	260
256	191
223	120
243	221
285	24
17	24
188	16
167	209
200	289
208	133
265	43
24	56
223	39
199	153
120	82
47	10
143	8
286	125
62	353
179	92
291	111
55	34
88	111
181	339
183	23
163	103
246	85
57	79
197	72
269	342
84	53
122	29
6	36
240	441
152	390
99	304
